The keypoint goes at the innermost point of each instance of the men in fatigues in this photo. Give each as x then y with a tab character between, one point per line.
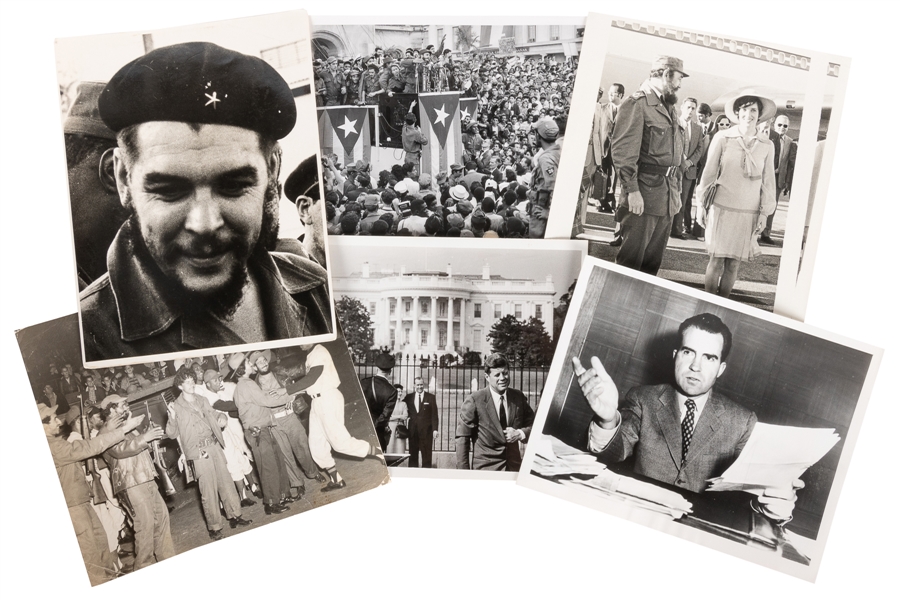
193	421
289	432
413	140
543	178
647	148
381	396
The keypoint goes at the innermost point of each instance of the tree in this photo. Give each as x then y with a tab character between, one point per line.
524	342
466	38
356	325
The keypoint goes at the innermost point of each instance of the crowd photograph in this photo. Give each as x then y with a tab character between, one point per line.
155	459
451	346
224	272
463	130
689	167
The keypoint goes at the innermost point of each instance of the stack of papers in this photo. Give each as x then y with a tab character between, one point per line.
553	458
774	457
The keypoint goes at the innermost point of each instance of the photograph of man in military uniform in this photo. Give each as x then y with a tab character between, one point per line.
178	145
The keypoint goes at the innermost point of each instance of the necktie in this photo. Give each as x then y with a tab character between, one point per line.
418	401
503	424
687	429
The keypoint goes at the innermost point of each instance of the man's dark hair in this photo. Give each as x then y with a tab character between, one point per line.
619	88
181	375
710	324
704	109
487	205
80	146
495	361
689	99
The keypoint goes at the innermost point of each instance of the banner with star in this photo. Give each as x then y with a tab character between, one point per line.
468	107
346	131
439	118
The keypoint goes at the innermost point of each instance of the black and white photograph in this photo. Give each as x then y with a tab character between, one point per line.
194	185
460	120
694	151
701	418
452	347
155	459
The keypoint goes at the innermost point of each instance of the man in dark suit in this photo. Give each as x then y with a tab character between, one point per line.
684	434
423	424
381	396
785	157
497	418
693	149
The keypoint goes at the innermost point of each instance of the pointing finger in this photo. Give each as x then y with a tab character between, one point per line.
598	367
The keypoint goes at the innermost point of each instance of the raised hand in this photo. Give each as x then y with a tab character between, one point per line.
132	423
153	433
599	389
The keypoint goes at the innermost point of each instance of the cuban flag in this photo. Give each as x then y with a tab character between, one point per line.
468	107
439	118
345	131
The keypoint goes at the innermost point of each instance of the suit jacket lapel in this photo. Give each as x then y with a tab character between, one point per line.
707	424
488	399
668	419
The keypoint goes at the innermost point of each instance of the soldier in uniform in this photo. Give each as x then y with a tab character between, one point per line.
543	178
413	140
647	148
200	233
368	85
381	396
335	84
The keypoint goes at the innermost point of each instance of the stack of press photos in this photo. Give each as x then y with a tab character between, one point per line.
268	295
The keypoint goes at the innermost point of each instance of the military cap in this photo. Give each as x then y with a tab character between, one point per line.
547	129
199	82
331	60
46	411
385	361
372	201
210	375
669	62
84	116
456	220
303	181
254	356
111	399
456	167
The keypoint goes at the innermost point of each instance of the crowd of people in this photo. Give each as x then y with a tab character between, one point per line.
245	425
683	174
503	184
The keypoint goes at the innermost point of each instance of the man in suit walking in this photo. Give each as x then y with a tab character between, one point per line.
497	418
693	149
681	434
785	157
423	424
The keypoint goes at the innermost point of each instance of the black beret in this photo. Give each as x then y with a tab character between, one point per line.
199	82
304	181
384	361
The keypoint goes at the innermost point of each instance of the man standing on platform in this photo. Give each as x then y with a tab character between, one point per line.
423	424
413	140
497	418
647	149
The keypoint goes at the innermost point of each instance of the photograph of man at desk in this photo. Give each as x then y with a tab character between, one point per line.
697	416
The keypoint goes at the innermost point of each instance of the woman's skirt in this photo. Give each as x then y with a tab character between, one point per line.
732	233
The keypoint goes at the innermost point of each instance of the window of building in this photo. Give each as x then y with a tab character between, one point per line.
407	306
532	33
498	311
476	343
393	337
424	305
393	307
554	32
538	312
442	308
371	308
477	311
424	340
442	336
518	309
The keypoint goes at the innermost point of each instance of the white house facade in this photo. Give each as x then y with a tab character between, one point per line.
424	313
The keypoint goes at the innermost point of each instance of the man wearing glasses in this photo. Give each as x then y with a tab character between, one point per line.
785	156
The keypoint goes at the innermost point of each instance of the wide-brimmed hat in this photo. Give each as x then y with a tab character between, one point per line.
735	99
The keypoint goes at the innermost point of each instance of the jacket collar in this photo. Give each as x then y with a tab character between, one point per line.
654	100
145	305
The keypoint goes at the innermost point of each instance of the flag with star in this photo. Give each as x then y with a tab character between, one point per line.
468	107
439	118
345	131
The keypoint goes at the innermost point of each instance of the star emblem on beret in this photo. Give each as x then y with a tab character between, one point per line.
213	99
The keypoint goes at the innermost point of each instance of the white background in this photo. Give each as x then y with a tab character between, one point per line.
455	538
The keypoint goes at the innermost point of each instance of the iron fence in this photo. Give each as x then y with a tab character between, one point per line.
451	385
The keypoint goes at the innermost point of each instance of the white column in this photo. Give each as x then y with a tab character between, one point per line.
462	322
415	323
398	333
434	330
449	324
